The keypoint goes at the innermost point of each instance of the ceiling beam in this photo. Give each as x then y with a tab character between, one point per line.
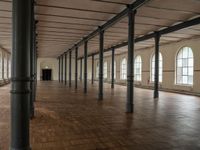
134	6
170	29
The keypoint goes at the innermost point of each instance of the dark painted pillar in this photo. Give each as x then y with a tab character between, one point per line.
92	69
70	68
112	71
59	69
130	88
101	50
156	77
32	59
20	75
85	67
65	68
80	69
76	67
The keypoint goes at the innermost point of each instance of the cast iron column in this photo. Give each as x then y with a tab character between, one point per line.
65	68
31	46
62	68
76	67
85	67
20	76
112	72
101	45
156	77
59	69
80	69
92	69
130	89
70	68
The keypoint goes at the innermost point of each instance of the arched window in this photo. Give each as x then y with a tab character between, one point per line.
153	67
114	70
1	65
184	66
138	68
5	66
97	70
123	69
105	70
9	67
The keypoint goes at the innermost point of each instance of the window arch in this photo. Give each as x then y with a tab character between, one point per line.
105	70
97	70
123	69
184	66
114	70
138	68
153	67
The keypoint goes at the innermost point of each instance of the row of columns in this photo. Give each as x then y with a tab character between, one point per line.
130	67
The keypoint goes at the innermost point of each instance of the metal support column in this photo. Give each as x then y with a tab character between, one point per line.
92	69
70	68
112	71
20	76
85	67
62	68
59	68
101	50
130	69
65	68
76	67
80	70
156	77
32	61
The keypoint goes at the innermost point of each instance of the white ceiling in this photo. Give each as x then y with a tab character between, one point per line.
62	23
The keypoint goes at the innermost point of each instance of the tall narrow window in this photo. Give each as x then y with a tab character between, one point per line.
5	66
1	65
97	70
105	70
138	68
123	69
184	66
9	67
153	67
114	70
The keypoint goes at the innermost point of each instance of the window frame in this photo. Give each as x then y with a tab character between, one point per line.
176	67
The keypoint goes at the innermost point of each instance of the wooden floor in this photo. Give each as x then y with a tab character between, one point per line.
69	120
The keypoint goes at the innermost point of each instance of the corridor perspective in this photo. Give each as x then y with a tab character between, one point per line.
99	74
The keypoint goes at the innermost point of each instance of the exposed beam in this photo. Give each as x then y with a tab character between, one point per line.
122	14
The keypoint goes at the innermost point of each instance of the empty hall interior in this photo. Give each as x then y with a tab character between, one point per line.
99	75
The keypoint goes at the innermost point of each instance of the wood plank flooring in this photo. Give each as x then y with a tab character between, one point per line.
70	120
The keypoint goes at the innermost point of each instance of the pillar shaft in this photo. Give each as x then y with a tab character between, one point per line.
112	72
59	69
92	69
81	69
65	68
20	76
85	67
130	89
70	68
156	77
76	67
101	50
32	61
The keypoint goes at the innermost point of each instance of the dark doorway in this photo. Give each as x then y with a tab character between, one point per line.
46	74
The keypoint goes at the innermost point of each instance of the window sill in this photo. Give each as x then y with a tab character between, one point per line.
184	85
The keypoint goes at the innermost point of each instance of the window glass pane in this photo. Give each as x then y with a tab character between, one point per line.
184	70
